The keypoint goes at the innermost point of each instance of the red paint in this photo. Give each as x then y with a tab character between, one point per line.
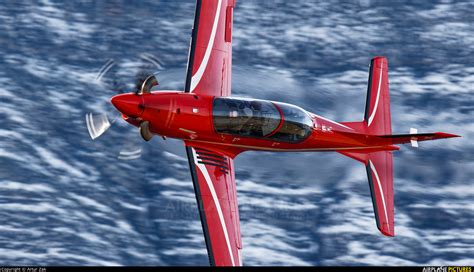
161	109
188	116
130	105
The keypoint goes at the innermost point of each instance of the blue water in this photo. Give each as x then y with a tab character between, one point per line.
68	200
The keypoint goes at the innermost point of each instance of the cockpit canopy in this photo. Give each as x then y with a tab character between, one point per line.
261	119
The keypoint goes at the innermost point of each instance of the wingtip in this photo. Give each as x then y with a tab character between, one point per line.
379	57
380	61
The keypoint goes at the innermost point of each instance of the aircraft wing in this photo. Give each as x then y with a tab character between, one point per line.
209	70
214	185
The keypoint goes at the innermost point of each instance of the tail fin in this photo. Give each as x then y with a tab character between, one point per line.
377	109
377	118
379	167
379	163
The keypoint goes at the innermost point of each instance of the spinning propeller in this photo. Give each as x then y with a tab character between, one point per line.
99	123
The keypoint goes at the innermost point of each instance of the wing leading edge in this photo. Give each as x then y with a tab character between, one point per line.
214	185
209	70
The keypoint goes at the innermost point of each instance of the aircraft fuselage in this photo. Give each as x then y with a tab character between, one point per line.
190	117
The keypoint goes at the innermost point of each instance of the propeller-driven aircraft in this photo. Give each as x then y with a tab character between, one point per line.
216	127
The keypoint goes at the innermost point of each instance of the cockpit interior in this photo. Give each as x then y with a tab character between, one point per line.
261	119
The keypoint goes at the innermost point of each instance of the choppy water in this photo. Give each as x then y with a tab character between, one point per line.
66	200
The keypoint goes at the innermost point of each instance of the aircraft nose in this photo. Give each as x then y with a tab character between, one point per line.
130	105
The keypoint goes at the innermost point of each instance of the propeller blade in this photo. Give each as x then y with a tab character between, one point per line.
131	149
147	84
112	79
130	155
97	124
145	131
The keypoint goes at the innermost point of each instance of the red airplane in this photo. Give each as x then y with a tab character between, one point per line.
216	127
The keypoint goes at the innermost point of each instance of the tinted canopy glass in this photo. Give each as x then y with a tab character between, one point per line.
254	118
297	124
261	119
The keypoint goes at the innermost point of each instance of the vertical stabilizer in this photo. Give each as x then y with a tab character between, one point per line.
377	110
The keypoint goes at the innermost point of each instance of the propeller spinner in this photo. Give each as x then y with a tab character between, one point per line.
130	105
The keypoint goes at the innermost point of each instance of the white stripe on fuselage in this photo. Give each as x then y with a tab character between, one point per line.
198	75
216	202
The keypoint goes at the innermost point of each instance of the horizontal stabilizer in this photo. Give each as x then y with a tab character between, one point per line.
379	166
419	137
